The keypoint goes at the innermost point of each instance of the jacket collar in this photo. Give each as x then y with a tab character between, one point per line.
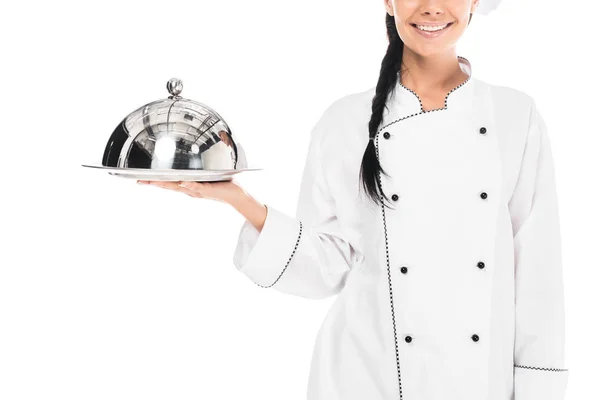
403	102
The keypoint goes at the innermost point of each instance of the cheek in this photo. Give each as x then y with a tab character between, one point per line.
404	30
457	30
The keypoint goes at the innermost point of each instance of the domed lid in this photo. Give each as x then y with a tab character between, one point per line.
174	133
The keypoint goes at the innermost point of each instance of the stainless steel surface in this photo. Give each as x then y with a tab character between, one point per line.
171	174
162	177
173	135
175	86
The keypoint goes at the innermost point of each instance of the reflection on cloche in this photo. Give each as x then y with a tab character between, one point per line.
174	133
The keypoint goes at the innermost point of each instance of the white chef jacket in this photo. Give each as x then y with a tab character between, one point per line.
455	292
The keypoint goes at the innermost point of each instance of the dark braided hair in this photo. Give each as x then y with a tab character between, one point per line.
388	78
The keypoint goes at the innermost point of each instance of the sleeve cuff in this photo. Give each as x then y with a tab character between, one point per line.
264	256
533	383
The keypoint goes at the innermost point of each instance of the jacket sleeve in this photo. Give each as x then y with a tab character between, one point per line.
307	255
539	348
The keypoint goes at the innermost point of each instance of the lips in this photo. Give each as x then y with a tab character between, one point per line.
432	25
431	33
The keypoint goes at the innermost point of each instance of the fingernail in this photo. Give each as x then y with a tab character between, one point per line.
141	182
184	184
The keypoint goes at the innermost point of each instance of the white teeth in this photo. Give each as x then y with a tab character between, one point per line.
431	28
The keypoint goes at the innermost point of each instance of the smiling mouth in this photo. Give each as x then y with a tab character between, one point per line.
431	28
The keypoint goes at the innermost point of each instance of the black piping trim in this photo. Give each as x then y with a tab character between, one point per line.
541	369
289	260
421	103
387	254
376	141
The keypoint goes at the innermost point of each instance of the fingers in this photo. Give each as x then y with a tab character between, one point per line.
190	188
194	189
164	184
175	186
193	186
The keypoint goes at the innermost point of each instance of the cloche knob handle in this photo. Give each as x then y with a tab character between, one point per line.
175	86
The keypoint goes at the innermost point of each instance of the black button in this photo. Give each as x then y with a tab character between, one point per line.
481	264
483	195
475	338
482	130
386	135
403	270
395	197
407	339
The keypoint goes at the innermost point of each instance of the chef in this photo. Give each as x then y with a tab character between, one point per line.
428	206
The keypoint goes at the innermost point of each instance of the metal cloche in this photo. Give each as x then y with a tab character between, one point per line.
174	134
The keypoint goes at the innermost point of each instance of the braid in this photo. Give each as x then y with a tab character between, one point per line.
388	77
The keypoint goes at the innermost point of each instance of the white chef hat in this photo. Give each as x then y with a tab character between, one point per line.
487	6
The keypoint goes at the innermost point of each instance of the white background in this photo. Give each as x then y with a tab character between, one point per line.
113	290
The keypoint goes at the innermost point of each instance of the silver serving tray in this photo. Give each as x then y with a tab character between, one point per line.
200	175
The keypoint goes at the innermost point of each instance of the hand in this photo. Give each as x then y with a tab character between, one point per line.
224	191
